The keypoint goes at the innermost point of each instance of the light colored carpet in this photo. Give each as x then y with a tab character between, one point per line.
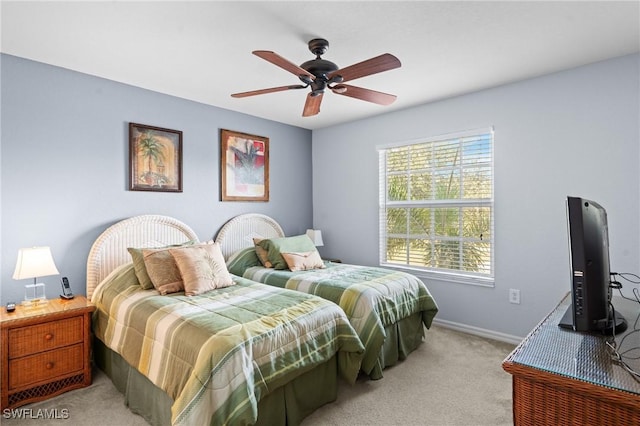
452	379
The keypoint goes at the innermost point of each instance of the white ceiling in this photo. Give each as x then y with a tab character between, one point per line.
202	50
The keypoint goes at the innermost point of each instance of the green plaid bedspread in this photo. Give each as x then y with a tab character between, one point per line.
218	353
371	297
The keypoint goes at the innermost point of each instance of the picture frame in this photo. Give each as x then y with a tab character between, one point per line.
155	159
244	166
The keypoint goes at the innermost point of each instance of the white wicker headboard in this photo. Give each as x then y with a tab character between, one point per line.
110	249
238	233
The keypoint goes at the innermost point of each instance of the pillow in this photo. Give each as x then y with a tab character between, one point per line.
161	267
239	261
141	270
275	246
262	254
171	288
303	261
116	282
202	268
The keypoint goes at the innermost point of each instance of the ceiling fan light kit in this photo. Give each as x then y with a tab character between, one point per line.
320	74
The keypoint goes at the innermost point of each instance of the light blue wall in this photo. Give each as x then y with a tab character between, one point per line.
570	133
64	177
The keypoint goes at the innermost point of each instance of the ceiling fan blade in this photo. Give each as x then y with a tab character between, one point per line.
364	94
283	63
312	105
270	90
384	62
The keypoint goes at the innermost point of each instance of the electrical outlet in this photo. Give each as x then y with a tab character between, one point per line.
514	296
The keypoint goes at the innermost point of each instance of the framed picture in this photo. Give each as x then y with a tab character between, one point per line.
155	159
244	164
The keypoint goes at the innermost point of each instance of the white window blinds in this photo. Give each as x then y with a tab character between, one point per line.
436	204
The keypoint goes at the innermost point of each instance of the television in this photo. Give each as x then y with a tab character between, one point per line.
591	308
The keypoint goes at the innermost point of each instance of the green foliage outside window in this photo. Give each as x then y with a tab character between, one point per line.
438	205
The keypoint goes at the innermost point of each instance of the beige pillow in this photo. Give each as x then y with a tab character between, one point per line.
262	254
161	267
202	268
303	261
171	288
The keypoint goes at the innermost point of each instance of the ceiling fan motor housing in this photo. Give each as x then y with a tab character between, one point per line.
319	67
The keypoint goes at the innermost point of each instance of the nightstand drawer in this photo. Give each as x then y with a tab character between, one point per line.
46	365
41	337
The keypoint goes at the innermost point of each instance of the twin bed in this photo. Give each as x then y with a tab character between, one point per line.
242	353
388	309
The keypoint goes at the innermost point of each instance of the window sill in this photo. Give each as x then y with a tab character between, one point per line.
444	276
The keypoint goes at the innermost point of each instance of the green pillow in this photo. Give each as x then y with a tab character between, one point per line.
141	269
241	260
275	246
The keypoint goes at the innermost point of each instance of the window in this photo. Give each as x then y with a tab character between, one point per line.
436	205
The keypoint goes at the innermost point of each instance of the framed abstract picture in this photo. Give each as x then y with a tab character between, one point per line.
155	159
244	165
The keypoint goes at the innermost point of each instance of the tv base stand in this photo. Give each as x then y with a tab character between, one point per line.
620	322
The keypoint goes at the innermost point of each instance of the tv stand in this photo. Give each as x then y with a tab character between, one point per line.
564	377
620	322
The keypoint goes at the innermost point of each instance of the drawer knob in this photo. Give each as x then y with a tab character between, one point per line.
48	336
49	365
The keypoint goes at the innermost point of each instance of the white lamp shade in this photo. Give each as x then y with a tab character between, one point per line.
316	236
34	262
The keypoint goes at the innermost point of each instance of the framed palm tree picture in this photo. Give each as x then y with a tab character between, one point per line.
155	158
244	165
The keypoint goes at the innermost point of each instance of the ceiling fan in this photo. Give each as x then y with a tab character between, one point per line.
320	74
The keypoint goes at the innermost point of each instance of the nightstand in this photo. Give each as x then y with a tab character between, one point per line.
46	350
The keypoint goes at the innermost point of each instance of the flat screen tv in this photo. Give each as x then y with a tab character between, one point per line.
591	308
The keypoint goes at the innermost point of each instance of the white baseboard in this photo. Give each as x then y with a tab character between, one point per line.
489	334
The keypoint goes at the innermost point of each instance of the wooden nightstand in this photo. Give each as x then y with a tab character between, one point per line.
46	350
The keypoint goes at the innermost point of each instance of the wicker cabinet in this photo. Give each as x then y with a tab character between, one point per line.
562	377
45	350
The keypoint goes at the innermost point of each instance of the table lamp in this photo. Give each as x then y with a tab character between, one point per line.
316	236
34	262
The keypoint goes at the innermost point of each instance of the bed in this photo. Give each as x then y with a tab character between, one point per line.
241	353
388	309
